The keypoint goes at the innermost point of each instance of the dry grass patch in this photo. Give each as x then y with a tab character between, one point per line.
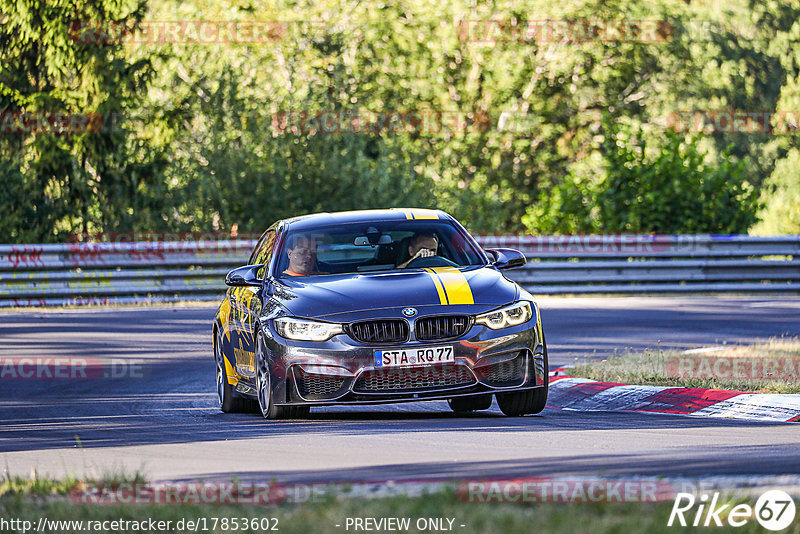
772	367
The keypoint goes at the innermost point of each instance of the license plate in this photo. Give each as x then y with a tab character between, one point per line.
414	356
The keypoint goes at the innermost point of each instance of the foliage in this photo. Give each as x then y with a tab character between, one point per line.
781	214
671	191
197	149
61	180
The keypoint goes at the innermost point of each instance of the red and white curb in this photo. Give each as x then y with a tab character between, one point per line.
582	394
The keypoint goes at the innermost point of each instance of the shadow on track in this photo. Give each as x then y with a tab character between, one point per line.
174	403
721	461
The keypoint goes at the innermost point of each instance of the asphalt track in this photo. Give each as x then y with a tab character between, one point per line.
165	423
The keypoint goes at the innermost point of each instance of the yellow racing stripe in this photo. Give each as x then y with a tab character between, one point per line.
424	214
456	285
439	287
224	314
420	214
233	377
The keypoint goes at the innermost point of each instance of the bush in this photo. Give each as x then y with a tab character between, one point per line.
781	195
673	191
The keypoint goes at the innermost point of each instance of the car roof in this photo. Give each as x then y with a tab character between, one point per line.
345	217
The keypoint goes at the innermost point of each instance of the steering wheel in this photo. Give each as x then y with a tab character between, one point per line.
430	261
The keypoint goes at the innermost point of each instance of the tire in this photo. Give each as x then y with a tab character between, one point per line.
470	404
266	405
229	402
525	402
529	401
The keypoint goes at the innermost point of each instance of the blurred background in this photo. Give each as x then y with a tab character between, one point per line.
567	117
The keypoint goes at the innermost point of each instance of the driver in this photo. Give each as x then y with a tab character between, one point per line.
302	256
421	246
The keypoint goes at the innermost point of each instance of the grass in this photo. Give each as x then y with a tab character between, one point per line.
29	500
16	486
661	368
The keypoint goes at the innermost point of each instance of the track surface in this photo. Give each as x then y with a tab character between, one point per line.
166	424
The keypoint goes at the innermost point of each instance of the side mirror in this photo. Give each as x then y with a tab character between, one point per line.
507	258
244	276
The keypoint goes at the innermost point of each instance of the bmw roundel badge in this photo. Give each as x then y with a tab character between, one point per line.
409	312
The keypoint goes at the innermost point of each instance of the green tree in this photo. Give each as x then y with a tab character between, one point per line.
74	179
666	189
781	196
199	150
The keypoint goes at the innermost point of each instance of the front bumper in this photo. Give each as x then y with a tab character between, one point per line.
342	371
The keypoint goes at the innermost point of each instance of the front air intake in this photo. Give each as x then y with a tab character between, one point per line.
379	331
441	327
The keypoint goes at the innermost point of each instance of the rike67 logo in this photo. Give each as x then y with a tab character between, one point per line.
774	510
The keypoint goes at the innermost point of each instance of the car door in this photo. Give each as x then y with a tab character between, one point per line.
249	304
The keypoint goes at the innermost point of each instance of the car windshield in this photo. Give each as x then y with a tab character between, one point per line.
375	246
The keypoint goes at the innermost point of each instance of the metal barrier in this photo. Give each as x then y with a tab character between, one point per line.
129	272
655	263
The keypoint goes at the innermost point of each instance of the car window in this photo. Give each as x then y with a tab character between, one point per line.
344	251
253	254
375	246
263	252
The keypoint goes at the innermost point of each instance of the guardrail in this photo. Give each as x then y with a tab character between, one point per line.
129	272
656	263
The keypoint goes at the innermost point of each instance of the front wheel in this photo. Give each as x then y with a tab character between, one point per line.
529	401
228	402
264	390
525	402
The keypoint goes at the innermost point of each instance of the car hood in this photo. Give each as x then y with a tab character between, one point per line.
355	296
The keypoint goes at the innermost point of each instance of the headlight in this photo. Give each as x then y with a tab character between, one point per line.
516	314
306	330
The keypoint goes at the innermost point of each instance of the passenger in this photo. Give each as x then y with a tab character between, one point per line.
302	251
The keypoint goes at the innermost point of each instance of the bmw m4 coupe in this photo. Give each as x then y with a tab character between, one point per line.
373	307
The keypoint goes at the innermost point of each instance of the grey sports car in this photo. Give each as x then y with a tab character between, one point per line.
379	306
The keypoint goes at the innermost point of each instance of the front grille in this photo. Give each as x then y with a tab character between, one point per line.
503	374
379	331
441	327
414	379
314	387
